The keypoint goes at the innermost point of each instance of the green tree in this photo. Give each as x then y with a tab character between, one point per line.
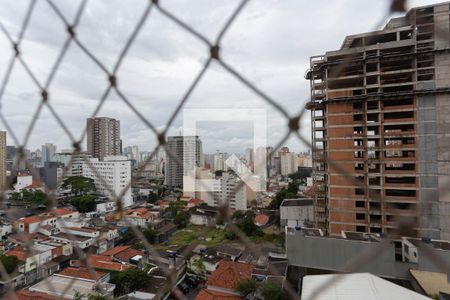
249	227
175	207
16	196
247	287
181	219
152	197
279	197
37	197
273	291
79	185
150	234
199	264
84	203
10	262
129	280
229	235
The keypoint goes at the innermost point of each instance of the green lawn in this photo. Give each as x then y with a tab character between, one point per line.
208	236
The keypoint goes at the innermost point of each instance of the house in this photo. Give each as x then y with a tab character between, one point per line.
193	202
85	273
230	251
203	215
141	217
225	279
103	263
63	284
206	294
166	232
5	229
296	212
31	224
126	254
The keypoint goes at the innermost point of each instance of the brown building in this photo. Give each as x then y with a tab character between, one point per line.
3	154
103	137
380	109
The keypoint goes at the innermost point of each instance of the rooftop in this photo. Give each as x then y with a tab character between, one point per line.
354	286
83	273
229	274
55	286
297	202
214	295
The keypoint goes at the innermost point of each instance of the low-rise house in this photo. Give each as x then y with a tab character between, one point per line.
141	216
208	260
85	273
203	215
227	277
5	229
31	224
101	262
233	252
81	242
296	212
105	206
126	254
59	286
165	232
30	258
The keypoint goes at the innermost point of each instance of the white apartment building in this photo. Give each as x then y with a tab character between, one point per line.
228	191
289	163
111	175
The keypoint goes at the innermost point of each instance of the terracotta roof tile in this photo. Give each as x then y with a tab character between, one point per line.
29	295
115	250
61	212
229	274
261	219
83	273
21	254
30	220
214	295
128	254
106	263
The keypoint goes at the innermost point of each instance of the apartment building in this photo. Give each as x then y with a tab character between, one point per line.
184	154
3	159
111	175
380	118
103	137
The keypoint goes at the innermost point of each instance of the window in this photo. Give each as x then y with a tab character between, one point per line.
360	216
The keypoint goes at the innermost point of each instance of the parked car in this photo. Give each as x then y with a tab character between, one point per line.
191	281
183	287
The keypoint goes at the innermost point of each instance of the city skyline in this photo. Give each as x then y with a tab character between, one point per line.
281	76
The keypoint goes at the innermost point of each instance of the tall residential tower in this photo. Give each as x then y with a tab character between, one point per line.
103	137
380	108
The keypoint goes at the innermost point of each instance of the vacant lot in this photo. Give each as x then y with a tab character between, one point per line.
208	236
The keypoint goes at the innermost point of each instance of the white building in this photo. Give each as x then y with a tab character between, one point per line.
294	212
289	163
229	190
110	176
74	160
219	162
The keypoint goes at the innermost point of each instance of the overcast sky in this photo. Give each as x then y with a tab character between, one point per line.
270	44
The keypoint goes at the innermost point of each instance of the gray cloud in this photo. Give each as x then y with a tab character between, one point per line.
270	44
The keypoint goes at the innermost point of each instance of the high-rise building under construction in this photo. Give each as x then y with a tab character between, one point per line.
380	108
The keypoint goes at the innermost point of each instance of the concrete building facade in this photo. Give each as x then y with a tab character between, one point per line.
380	118
3	154
103	137
111	175
184	156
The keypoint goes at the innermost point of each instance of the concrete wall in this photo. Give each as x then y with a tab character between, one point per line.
334	254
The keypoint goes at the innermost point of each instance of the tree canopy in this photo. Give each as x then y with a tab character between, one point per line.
129	280
84	203
79	185
247	287
10	262
273	291
248	226
36	197
181	219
